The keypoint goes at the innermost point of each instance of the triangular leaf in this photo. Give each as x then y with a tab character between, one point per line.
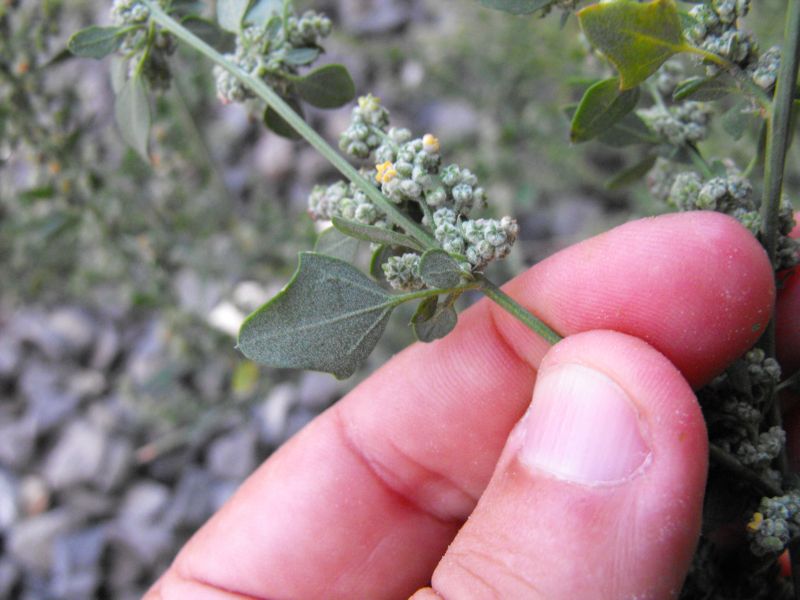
277	124
95	42
301	56
328	318
230	14
261	10
517	7
333	242
739	118
439	270
602	106
632	174
432	321
132	114
705	89
329	86
376	235
636	37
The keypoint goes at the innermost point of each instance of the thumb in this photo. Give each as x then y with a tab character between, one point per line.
599	490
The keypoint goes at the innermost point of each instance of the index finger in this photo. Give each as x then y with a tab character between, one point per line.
364	501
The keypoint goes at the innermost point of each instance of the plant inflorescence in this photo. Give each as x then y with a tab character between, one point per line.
417	213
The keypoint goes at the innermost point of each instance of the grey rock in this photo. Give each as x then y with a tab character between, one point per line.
221	492
452	120
87	503
77	563
118	463
74	327
233	456
272	415
106	348
317	390
77	456
34	495
31	540
30	326
190	505
9	575
9	500
49	404
10	356
86	384
210	378
298	419
196	294
371	17
146	359
17	441
149	542
273	156
144	502
124	570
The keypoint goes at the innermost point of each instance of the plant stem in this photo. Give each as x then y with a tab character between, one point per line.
778	134
277	103
411	227
730	463
517	310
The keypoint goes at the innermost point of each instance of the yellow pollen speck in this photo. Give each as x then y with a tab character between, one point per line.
430	143
369	102
386	172
753	525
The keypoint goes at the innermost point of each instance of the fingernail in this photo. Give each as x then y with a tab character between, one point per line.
582	427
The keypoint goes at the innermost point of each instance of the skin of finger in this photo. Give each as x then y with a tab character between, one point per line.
365	500
684	298
533	535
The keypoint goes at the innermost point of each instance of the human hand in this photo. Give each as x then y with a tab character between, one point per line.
435	471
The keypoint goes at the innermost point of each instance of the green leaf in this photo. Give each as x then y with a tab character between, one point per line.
132	114
630	130
739	118
632	174
333	242
517	7
432	321
230	14
439	270
277	124
705	89
380	256
376	235
262	10
329	86
206	30
636	37
328	318
301	56
602	106
95	42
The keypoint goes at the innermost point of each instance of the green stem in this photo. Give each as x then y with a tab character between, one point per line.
514	308
731	463
274	101
778	132
427	293
699	161
778	135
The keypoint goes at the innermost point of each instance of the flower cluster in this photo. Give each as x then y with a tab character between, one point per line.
137	47
735	404
345	201
271	51
774	524
717	30
409	172
731	194
685	123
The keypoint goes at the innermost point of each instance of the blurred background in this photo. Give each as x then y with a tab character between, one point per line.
126	414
